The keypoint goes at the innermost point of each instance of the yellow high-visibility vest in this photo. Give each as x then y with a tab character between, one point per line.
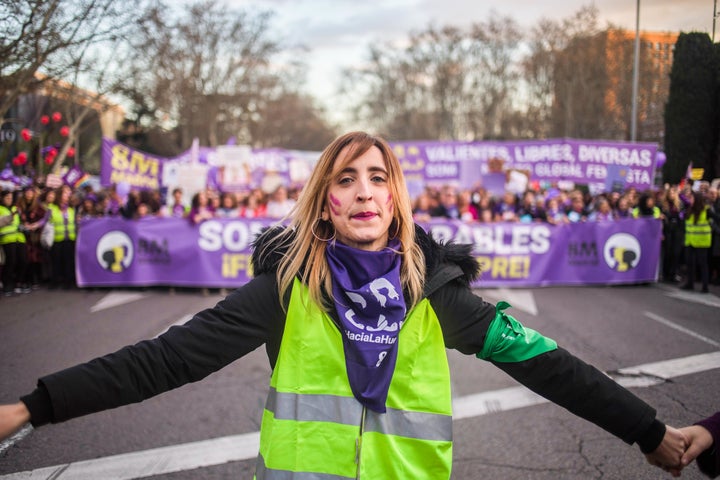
698	232
65	228
11	233
313	427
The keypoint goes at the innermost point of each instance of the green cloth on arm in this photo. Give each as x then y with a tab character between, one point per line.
507	340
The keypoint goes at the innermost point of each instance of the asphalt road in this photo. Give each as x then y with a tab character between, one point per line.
499	430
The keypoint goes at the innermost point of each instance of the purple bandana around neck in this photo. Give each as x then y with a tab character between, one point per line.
371	307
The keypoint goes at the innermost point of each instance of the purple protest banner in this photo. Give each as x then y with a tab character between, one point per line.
601	165
539	254
123	164
581	161
216	253
165	251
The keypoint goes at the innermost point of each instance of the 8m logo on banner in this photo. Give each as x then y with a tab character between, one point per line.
622	252
114	251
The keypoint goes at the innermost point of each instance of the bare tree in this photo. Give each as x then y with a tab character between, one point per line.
495	81
447	83
63	56
292	121
212	72
580	77
545	42
47	36
392	98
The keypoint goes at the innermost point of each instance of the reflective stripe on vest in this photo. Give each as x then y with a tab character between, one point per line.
698	234
11	233
314	428
263	472
348	411
62	224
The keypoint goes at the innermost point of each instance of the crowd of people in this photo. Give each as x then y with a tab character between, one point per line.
690	216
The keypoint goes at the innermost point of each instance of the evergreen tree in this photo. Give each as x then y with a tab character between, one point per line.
690	114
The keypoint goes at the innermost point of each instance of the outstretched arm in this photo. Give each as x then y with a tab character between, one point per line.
12	418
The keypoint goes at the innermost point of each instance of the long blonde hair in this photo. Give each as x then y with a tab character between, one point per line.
304	239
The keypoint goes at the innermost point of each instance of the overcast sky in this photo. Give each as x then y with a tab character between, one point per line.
338	32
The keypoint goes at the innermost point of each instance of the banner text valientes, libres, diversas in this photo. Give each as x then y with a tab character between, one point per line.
216	253
602	165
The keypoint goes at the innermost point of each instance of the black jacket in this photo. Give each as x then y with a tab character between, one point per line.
252	316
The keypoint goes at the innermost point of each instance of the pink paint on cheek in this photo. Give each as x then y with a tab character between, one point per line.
335	202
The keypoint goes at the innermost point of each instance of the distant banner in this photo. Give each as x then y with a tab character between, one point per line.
589	162
123	164
227	168
216	253
602	165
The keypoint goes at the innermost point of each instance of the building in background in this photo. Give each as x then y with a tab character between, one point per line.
656	58
88	116
593	86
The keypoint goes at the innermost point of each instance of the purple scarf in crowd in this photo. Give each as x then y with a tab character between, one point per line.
371	307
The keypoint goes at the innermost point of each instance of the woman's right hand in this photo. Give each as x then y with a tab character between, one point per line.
12	418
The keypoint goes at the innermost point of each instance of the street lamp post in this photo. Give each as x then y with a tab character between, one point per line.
636	68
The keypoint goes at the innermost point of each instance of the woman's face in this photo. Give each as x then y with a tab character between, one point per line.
7	199
359	202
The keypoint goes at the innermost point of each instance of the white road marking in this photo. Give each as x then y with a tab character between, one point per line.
156	461
676	367
181	321
521	299
695	297
113	299
680	328
233	448
494	401
9	442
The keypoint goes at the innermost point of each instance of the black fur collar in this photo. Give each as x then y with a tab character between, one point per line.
436	254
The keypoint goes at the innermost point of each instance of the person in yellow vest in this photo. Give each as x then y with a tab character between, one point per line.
62	252
646	207
698	240
12	241
356	306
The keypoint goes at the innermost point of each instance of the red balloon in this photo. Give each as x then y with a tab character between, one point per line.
49	159
52	152
44	119
22	156
56	116
70	152
26	134
16	161
65	131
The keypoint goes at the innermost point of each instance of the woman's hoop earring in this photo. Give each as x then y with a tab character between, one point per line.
312	230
